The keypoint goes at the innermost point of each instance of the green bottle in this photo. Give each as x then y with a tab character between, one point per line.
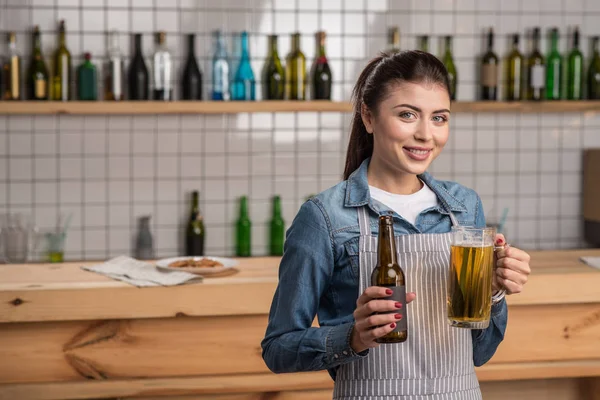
274	80
295	73
37	76
449	64
535	70
87	88
194	233
514	72
594	71
424	43
277	231
554	69
243	234
61	78
575	70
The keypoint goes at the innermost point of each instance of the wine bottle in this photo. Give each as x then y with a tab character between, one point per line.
244	86
575	70
37	75
191	83
424	43
220	69
489	70
243	234
514	72
274	78
12	71
194	233
449	64
113	87
393	39
163	69
387	273
277	229
295	73
594	71
61	79
554	69
321	77
138	73
535	70
87	87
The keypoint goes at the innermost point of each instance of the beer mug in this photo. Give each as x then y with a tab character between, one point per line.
469	295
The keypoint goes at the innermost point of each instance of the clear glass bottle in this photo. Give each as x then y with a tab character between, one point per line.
220	70
163	70
114	82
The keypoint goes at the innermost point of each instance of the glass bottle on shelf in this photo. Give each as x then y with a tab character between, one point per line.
424	43
61	78
138	73
12	71
244	87
191	83
114	82
243	237
295	71
220	69
277	229
575	70
536	72
489	70
274	78
87	86
448	61
594	71
321	76
554	69
514	73
37	75
393	39
194	233
162	70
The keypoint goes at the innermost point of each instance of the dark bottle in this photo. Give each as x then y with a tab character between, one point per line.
295	73
138	73
37	76
321	77
277	229
243	231
489	70
162	70
387	273
194	233
12	71
274	78
536	72
61	78
87	86
554	69
575	70
191	83
594	71
450	67
514	72
114	86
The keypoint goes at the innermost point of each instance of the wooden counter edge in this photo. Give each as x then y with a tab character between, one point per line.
264	382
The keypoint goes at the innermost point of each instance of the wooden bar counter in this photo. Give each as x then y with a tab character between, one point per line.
70	334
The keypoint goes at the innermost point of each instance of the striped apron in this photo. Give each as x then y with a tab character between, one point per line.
436	361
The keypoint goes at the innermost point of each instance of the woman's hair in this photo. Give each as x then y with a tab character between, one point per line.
373	86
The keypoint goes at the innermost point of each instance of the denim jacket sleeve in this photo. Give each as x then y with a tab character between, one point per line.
291	344
486	341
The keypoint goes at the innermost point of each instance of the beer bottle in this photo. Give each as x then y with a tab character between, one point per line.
243	236
194	234
277	231
387	273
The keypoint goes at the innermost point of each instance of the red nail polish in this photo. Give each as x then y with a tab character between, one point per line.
398	305
398	316
389	291
499	241
393	325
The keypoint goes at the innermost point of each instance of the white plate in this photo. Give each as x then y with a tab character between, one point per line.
227	263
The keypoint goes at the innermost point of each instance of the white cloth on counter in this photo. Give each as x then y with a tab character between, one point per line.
141	274
591	261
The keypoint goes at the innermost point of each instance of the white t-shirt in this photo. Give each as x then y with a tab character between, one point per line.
408	206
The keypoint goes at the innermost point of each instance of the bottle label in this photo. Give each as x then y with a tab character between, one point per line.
399	296
14	78
116	73
537	76
40	89
489	75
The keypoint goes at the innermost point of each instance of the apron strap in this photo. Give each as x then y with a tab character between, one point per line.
363	221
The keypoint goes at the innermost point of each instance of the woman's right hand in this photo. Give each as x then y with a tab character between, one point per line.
370	326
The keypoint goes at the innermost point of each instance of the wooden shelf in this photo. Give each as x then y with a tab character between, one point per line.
234	107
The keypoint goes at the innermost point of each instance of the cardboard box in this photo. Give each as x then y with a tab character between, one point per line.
591	195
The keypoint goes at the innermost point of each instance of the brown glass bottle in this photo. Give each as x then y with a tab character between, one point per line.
387	273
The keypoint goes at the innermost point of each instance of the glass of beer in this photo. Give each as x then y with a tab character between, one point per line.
470	277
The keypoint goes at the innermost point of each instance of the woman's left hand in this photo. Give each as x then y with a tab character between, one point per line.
512	267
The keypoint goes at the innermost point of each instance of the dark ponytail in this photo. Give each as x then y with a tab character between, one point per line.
372	87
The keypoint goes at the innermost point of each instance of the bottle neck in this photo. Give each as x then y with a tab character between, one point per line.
490	41
62	41
516	43
554	41
425	44
191	45
195	204
536	40
321	46
276	207
296	43
576	40
114	42
448	45
244	207
386	254
245	52
12	43
138	45
595	42
37	42
273	46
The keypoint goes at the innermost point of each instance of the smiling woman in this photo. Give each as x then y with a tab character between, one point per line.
400	125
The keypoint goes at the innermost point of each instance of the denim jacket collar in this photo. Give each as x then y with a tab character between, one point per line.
357	190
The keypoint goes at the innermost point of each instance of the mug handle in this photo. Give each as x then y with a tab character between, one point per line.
497	298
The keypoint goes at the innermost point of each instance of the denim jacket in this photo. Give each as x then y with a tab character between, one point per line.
318	274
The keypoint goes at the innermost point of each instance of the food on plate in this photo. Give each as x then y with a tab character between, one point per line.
195	263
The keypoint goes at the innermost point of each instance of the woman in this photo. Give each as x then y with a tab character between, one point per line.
400	125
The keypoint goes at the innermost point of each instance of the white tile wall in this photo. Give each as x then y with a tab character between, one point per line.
108	171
